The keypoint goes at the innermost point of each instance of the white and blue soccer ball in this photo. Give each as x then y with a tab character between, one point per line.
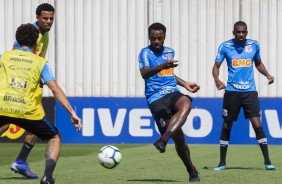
109	156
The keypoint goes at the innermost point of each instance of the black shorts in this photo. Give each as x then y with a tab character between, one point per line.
41	128
233	101
163	109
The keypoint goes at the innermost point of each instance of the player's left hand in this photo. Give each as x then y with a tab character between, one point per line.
76	121
192	87
270	79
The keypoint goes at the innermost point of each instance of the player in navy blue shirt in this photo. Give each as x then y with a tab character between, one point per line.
168	106
241	55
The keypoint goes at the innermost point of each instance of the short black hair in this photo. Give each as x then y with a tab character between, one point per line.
156	26
240	23
44	7
27	35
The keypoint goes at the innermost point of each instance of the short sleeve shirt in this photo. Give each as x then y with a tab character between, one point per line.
163	82
240	61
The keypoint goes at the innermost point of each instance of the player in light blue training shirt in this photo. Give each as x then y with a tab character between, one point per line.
240	60
241	55
168	106
163	82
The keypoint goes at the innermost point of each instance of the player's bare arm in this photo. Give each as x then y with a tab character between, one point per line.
147	72
261	68
61	97
190	86
215	72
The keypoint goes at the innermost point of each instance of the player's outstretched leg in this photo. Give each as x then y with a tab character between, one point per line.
174	124
183	152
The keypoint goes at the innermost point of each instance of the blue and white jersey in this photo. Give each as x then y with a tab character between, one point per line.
163	82
240	61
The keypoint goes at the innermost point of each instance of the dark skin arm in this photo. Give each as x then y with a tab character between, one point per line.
61	97
147	72
190	86
261	68
215	73
259	65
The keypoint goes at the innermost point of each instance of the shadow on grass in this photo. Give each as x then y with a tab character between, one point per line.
152	180
234	168
245	168
16	178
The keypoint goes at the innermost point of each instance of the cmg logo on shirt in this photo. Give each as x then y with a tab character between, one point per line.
241	63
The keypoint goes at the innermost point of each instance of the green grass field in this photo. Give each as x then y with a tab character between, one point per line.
143	164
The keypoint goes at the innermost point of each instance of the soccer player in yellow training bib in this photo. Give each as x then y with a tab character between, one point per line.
45	17
20	95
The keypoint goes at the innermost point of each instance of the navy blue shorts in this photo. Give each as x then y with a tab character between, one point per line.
233	101
41	128
163	109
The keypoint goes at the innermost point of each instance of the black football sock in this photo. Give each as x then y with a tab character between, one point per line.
26	148
49	167
224	141
261	138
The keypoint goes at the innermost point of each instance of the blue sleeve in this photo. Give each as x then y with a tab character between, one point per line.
16	44
46	74
143	59
220	54
257	55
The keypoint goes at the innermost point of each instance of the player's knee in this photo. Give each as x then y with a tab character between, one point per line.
257	125
184	112
56	138
31	139
184	105
59	136
187	106
227	124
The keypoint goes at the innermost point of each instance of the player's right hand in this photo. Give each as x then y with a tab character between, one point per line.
219	84
76	121
270	79
170	64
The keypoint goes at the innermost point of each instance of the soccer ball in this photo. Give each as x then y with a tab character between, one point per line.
109	156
